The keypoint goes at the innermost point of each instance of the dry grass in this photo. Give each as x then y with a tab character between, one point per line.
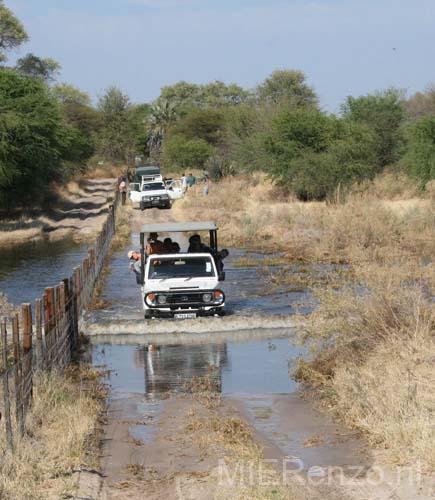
251	212
61	431
373	352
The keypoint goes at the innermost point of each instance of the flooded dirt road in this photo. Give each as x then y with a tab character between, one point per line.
157	368
177	387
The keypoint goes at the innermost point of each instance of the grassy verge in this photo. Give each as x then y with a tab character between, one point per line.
373	351
61	436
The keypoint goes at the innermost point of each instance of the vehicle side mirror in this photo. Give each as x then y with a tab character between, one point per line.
222	276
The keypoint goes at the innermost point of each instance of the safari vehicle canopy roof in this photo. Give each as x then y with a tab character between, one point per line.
178	227
147	170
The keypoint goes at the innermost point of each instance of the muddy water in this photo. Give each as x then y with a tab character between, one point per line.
26	270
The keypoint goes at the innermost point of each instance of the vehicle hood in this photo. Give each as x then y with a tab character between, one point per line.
180	284
157	192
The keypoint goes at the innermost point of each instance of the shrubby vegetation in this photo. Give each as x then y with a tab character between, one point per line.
279	128
50	131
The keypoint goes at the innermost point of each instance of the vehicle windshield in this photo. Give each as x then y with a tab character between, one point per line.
153	186
181	267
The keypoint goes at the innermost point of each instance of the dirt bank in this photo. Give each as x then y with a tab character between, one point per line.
80	213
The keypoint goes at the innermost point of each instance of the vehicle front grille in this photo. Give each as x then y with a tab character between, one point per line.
184	298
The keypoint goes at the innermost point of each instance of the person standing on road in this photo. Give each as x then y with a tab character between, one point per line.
184	183
206	185
123	190
191	180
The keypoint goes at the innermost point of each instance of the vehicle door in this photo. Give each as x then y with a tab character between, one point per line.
134	188
175	189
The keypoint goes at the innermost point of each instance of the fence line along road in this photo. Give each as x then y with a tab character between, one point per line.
30	347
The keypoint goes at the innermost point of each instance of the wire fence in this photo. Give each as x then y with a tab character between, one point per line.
44	339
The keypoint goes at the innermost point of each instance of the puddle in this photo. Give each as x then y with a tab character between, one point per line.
254	375
236	368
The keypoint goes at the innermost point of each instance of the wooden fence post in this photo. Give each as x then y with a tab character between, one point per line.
75	312
38	331
5	377
27	377
18	374
49	313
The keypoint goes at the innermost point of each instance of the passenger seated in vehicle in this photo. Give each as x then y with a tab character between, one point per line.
154	245
196	245
223	254
175	247
167	245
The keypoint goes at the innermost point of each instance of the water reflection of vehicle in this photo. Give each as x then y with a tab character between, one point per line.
173	367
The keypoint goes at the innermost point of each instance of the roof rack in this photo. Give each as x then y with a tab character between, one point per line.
178	227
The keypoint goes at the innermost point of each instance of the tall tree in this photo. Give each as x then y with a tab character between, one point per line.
217	94
46	69
287	85
12	32
115	141
66	93
207	124
421	103
32	137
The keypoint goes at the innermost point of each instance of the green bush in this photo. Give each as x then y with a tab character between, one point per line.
420	158
384	113
313	153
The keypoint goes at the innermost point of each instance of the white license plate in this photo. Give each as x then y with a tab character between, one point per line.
184	315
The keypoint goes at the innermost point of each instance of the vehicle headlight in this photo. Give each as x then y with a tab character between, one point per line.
146	198
150	299
164	197
207	297
161	299
218	296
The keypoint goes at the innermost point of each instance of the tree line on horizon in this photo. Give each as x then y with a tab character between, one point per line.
50	131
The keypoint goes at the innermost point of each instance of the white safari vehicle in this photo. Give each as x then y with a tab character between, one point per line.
155	193
181	285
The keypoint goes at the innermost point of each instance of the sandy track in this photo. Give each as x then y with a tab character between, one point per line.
79	214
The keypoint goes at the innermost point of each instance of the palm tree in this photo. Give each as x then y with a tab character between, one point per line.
162	113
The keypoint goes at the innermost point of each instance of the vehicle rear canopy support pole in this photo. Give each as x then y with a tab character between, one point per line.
142	257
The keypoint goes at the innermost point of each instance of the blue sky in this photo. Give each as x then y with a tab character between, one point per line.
345	47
